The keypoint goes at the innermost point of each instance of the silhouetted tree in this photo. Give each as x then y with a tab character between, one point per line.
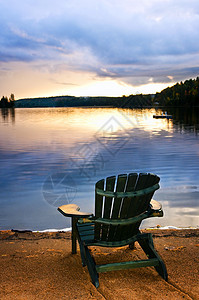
181	94
12	98
4	102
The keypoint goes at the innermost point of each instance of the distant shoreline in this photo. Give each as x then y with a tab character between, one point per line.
132	101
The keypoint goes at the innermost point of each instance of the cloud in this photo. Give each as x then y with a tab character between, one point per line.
129	40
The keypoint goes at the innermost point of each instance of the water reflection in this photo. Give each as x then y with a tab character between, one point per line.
186	119
47	146
8	114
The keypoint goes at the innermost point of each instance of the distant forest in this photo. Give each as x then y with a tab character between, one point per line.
71	101
183	94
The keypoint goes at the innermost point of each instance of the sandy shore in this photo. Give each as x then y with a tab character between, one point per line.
41	266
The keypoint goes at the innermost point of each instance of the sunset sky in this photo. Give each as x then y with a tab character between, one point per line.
90	47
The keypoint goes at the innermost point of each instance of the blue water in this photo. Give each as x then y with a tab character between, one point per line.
54	156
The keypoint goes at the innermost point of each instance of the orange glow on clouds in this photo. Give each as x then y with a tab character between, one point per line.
29	81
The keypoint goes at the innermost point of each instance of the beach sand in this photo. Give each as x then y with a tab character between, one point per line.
41	266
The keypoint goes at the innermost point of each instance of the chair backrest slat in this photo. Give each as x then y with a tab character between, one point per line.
110	184
120	187
122	233
98	208
130	187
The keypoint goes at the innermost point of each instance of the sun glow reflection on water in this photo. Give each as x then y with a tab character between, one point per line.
35	126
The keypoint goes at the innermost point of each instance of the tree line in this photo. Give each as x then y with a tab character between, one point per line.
181	94
132	101
7	102
185	94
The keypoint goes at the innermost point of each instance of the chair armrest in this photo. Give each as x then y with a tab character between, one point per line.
156	208
155	205
73	210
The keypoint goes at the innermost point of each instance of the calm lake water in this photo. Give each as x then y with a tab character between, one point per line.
54	156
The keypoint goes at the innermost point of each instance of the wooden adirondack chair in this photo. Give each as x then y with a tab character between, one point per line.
120	205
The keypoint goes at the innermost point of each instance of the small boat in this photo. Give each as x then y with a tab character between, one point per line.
162	116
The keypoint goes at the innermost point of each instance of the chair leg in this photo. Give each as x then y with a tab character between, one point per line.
146	242
83	254
74	235
91	267
161	269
